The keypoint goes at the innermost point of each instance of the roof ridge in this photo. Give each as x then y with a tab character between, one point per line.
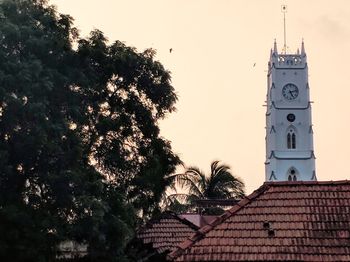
166	214
220	219
330	182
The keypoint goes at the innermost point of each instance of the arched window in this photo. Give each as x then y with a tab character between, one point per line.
292	174
292	178
291	139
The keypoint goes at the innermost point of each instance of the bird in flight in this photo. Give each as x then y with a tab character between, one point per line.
170	50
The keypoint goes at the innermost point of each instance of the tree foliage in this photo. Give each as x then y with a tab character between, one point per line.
81	156
219	184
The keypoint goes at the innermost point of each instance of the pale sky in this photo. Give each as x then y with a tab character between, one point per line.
215	46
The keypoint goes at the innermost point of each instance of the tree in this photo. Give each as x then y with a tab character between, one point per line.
220	184
81	157
125	94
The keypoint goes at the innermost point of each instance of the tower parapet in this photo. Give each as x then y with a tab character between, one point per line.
288	60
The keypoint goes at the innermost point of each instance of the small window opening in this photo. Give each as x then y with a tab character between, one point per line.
292	178
289	141
266	225
292	174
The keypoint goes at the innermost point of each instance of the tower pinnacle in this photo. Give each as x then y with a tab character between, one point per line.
302	48
275	47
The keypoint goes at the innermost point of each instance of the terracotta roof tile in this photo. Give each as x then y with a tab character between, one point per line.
166	232
308	221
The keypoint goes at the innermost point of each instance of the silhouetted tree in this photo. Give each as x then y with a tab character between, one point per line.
81	157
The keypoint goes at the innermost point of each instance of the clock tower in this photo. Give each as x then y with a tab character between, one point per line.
289	135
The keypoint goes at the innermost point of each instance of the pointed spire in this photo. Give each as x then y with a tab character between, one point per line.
302	48
275	47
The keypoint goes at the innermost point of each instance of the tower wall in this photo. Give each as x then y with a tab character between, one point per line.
289	134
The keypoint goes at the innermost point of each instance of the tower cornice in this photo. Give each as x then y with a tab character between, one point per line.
291	108
274	154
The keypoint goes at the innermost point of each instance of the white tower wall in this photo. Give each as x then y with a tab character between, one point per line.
289	134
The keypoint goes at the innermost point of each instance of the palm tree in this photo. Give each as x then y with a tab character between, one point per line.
220	184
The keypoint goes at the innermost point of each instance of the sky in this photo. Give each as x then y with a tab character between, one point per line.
218	63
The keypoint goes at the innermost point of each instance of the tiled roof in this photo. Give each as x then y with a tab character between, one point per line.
166	232
299	221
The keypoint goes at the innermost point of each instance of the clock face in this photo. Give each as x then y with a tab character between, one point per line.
290	91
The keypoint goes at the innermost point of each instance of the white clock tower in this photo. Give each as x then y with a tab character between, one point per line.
289	136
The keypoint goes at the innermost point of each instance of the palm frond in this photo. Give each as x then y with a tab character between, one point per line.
171	181
182	198
190	180
222	184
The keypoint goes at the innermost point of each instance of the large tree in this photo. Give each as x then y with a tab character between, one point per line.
81	157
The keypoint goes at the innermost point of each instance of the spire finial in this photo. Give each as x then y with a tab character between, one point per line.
302	47
275	47
284	11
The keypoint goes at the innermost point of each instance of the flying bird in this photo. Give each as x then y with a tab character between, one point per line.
254	64
170	50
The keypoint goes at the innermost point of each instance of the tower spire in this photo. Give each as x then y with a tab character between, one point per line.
284	11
